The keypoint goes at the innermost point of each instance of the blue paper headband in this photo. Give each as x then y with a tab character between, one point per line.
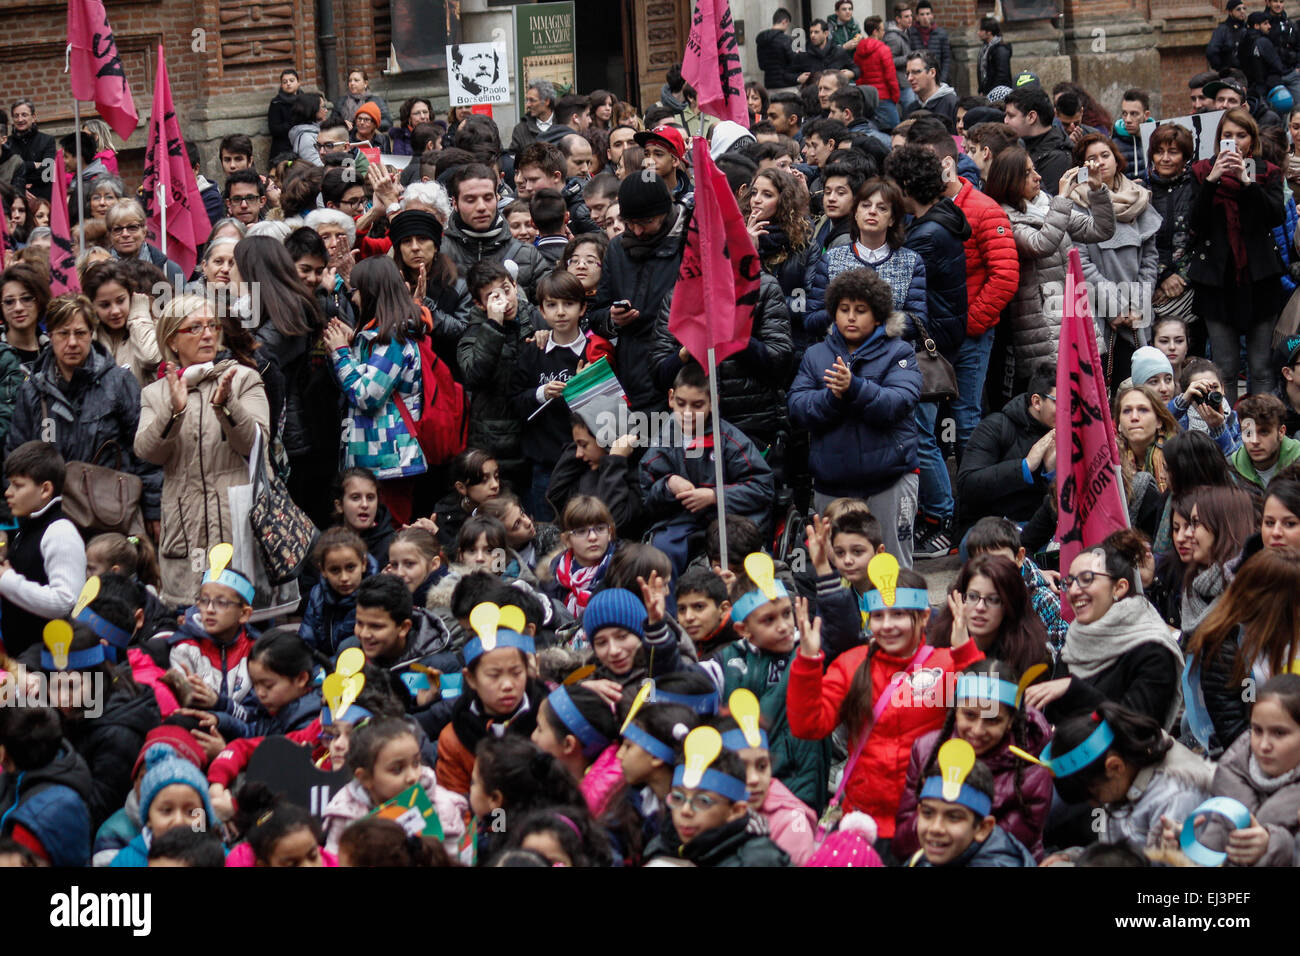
649	743
505	638
717	781
415	681
987	687
1075	760
104	629
78	660
352	715
1194	849
905	599
236	582
592	740
735	740
970	798
700	703
753	600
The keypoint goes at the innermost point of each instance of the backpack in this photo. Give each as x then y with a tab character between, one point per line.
442	429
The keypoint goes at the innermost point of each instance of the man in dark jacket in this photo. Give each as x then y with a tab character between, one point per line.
1283	35
994	66
1259	58
1222	49
539	105
279	115
776	52
924	35
1007	465
542	166
477	231
33	146
937	234
821	54
1030	114
640	270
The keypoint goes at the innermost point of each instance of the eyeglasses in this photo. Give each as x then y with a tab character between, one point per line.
199	329
699	802
221	604
127	228
584	261
21	300
354	203
990	601
591	531
1084	578
320	145
243	200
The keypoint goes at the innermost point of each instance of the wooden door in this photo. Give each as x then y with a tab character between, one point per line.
660	28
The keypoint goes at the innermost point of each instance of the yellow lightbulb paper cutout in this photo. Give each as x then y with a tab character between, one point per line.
58	640
703	744
642	695
745	711
883	572
483	619
1025	755
88	595
219	558
512	619
1027	678
956	758
761	570
351	662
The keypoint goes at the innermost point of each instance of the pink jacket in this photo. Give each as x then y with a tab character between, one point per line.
602	780
791	822
145	671
353	803
242	855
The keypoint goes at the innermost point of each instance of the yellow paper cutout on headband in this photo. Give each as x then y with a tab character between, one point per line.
219	558
744	710
88	594
642	695
956	758
1027	678
580	675
483	619
1024	755
58	639
761	570
512	619
341	691
883	572
703	744
351	661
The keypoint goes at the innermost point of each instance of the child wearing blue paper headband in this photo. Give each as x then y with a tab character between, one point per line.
1259	770
759	662
211	646
648	754
959	830
1124	761
988	714
283	670
576	726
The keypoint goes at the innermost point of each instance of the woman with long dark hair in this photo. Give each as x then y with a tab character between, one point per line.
989	603
783	234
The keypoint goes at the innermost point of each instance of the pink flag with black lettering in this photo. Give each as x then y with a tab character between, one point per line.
719	267
167	166
63	258
1090	491
711	63
96	69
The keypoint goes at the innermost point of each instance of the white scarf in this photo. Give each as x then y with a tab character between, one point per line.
1092	648
1038	207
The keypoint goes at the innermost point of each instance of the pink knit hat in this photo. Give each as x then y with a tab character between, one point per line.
850	845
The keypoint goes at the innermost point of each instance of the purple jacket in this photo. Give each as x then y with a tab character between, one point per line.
1023	820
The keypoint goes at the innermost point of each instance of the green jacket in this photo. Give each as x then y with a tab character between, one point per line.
842	33
1288	453
802	765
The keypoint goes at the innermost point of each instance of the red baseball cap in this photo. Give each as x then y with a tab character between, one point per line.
669	136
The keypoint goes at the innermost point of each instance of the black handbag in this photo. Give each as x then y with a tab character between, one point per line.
938	379
284	532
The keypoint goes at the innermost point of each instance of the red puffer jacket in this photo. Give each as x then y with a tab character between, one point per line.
876	68
918	705
992	263
1024	820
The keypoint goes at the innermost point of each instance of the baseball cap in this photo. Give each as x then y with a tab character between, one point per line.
1212	89
669	136
1025	78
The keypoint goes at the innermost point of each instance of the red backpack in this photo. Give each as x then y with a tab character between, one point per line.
442	429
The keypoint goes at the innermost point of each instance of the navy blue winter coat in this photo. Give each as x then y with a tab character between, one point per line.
938	237
864	442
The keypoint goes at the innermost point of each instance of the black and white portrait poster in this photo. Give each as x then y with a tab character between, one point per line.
477	73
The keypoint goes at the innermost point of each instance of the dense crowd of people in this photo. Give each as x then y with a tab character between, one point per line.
349	488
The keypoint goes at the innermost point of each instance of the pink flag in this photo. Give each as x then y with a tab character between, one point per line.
1090	492
4	238
167	165
63	258
97	72
719	267
711	63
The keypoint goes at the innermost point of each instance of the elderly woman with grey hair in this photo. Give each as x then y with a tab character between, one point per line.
126	234
104	191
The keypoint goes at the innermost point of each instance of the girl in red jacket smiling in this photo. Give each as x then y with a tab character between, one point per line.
888	692
988	714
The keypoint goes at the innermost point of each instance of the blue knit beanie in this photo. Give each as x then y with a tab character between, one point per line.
614	607
164	767
1147	363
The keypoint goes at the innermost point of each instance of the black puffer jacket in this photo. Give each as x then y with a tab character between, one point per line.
34	147
1228	712
750	392
449	307
495	245
101	404
110	743
776	58
487	355
645	284
1172	199
307	378
991	478
939	239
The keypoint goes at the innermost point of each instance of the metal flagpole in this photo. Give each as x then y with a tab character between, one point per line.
76	128
161	189
718	477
